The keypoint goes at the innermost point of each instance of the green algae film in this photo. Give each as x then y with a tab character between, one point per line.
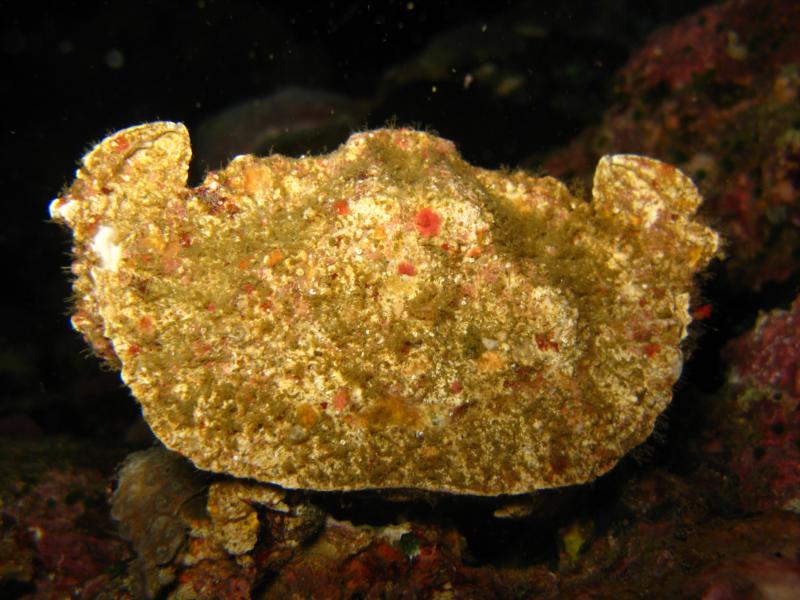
385	316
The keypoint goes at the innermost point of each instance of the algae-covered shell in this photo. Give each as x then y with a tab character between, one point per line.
385	316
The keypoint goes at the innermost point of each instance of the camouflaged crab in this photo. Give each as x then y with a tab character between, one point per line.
385	316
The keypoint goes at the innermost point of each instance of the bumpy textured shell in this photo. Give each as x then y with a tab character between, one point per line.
385	316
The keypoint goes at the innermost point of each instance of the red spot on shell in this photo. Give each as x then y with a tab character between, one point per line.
341	207
323	405
406	268
456	387
544	343
428	222
651	349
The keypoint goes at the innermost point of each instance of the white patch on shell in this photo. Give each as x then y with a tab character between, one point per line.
650	211
106	250
63	211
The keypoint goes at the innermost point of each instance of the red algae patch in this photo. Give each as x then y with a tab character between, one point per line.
406	268
428	222
385	316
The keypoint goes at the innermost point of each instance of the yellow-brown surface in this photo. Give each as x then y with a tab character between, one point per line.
385	316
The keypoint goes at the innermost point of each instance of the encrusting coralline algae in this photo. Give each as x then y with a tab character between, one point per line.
385	316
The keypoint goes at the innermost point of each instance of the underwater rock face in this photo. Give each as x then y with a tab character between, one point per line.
708	95
752	433
385	316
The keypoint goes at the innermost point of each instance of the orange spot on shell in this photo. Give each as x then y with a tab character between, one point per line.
341	207
146	325
379	233
120	143
340	399
274	257
474	252
169	257
256	179
489	362
406	268
391	410
428	222
170	264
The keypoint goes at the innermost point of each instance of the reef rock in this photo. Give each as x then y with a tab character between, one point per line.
707	94
385	316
